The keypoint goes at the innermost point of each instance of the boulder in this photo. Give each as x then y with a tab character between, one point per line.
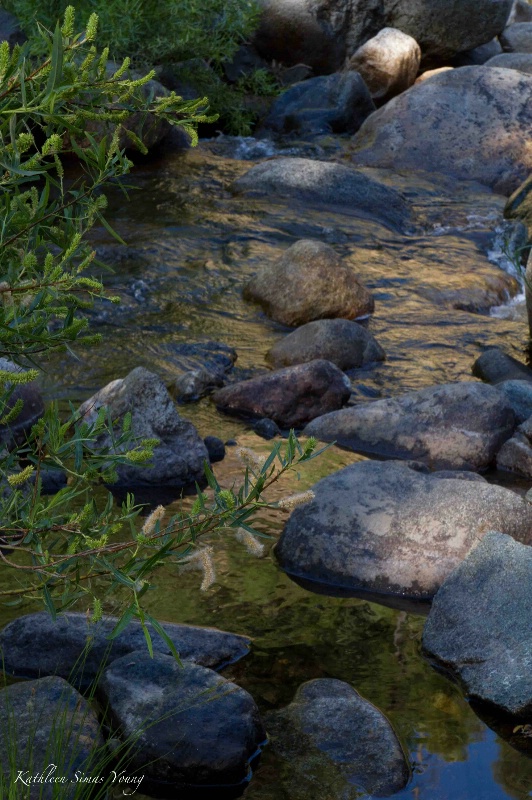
479	55
266	428
385	530
430	73
290	397
49	730
516	454
35	645
470	123
519	61
453	426
215	448
519	395
180	455
388	63
193	728
335	739
32	410
336	103
521	12
443	29
344	343
316	182
479	625
309	282
495	366
517	38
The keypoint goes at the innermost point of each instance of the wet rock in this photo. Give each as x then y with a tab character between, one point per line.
495	366
519	394
521	12
201	367
267	428
291	397
453	426
15	433
471	123
345	343
178	459
337	103
388	63
479	625
10	29
519	61
385	529
215	448
50	729
442	30
317	182
517	38
336	739
203	730
479	55
308	282
35	645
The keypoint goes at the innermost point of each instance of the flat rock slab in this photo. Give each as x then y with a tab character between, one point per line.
34	645
472	123
383	528
317	182
479	625
334	736
197	728
453	426
290	397
49	729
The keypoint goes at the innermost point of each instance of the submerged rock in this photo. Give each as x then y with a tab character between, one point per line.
341	341
35	645
308	282
201	367
48	729
454	426
317	182
388	63
290	397
388	530
180	455
194	727
479	625
337	740
471	123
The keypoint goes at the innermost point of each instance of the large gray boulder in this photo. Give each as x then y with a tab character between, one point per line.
517	38
192	727
337	103
479	625
388	63
335	739
308	282
47	728
345	343
519	61
180	455
315	182
388	530
471	123
453	426
291	397
35	645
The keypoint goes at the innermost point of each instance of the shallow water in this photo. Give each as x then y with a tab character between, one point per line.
192	245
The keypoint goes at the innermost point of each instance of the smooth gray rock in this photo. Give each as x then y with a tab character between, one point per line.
32	410
344	343
472	123
215	448
517	38
34	645
519	394
290	397
337	103
388	63
516	455
309	282
336	739
51	730
495	366
479	625
385	529
196	728
479	55
519	61
317	182
178	459
453	426
521	12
